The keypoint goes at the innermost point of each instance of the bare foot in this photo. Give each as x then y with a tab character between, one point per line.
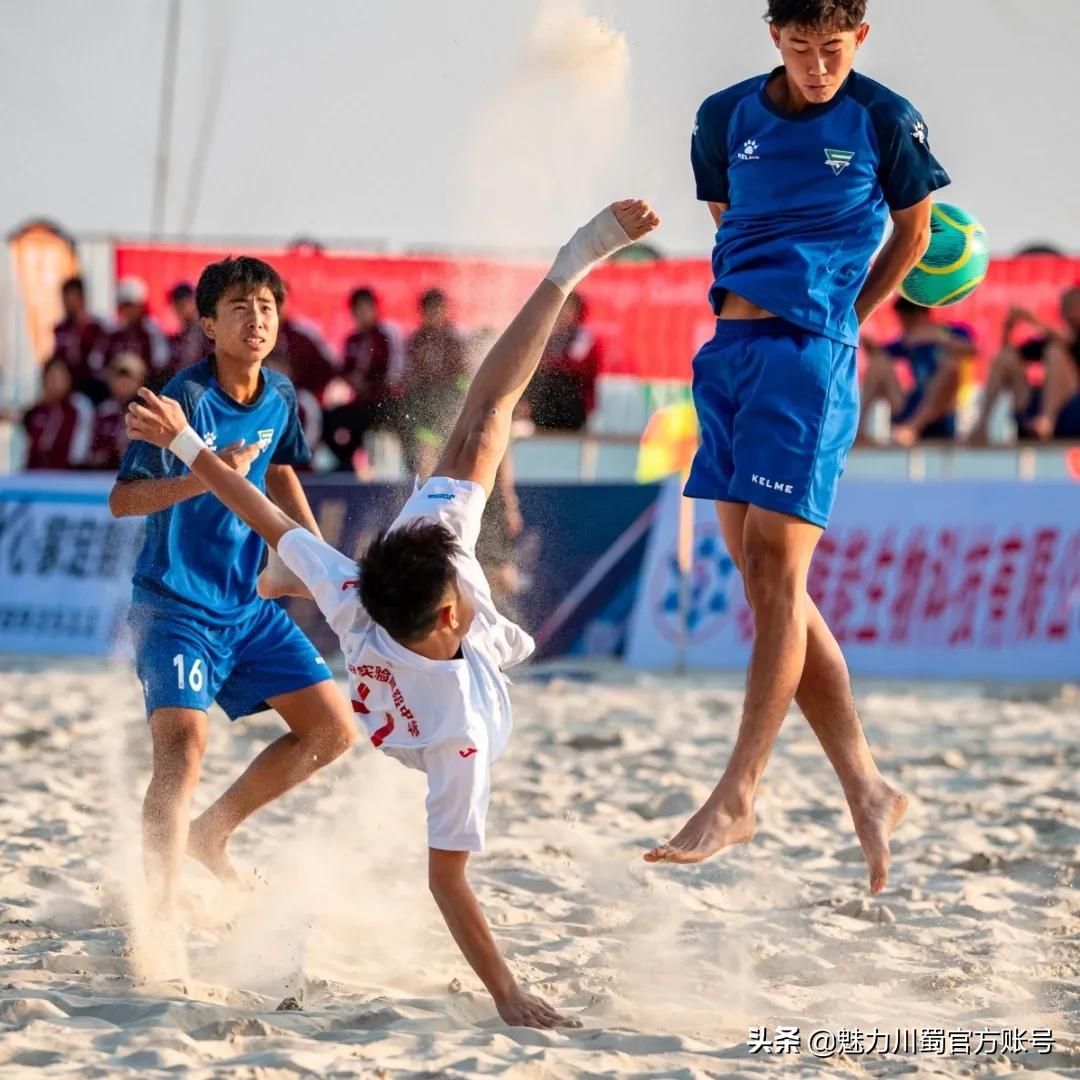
713	827
636	217
278	580
875	816
210	851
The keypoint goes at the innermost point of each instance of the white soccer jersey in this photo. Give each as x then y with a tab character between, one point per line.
448	718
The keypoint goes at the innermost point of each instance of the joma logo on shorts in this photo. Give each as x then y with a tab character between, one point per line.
772	485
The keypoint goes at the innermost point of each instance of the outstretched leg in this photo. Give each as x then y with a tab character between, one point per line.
320	730
481	435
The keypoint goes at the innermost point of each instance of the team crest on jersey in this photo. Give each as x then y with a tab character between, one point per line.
266	436
838	160
749	151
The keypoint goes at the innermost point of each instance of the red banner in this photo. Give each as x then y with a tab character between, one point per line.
650	316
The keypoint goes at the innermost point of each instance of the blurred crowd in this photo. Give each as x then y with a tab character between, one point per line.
920	376
411	387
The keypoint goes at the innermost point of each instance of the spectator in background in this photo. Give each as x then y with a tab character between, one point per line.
303	351
1037	409
372	367
436	378
125	374
189	344
933	353
563	392
76	335
59	426
135	333
307	405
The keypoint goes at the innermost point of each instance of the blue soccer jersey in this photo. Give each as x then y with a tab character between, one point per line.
199	558
809	195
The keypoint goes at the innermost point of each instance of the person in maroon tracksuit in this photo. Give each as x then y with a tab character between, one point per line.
373	368
307	357
563	393
135	333
75	337
125	374
189	344
58	427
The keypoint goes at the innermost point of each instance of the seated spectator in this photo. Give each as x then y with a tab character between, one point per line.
436	379
125	374
1059	416
189	344
59	426
135	333
372	368
933	353
76	335
563	391
306	354
1036	409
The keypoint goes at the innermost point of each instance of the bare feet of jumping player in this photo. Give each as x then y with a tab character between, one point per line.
875	815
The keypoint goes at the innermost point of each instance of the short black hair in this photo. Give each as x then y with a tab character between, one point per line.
826	14
73	284
182	290
404	576
432	298
246	272
363	293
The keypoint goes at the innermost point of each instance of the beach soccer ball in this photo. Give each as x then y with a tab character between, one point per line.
954	264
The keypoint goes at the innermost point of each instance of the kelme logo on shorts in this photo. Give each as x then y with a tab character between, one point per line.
441	495
838	160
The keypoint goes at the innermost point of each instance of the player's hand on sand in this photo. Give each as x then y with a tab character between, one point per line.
636	217
154	419
239	456
525	1010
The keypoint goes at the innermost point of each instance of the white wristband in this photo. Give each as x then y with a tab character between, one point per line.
187	446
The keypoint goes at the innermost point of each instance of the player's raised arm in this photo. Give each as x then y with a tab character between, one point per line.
482	433
161	421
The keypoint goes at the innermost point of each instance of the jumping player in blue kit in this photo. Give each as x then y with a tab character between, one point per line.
202	632
801	169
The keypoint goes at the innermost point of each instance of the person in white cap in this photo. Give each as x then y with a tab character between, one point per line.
135	332
425	645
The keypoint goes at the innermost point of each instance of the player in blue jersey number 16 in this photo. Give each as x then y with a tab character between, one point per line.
202	632
802	168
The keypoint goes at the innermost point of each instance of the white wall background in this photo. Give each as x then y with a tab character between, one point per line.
423	123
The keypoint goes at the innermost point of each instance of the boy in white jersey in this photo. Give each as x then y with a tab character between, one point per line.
424	643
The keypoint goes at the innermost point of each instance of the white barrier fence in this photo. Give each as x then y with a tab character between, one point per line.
65	564
930	580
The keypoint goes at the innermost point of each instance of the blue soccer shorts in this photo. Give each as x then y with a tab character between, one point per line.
778	408
186	663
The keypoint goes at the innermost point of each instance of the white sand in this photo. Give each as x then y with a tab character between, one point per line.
667	968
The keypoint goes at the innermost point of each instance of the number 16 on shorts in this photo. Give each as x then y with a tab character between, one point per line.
189	673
